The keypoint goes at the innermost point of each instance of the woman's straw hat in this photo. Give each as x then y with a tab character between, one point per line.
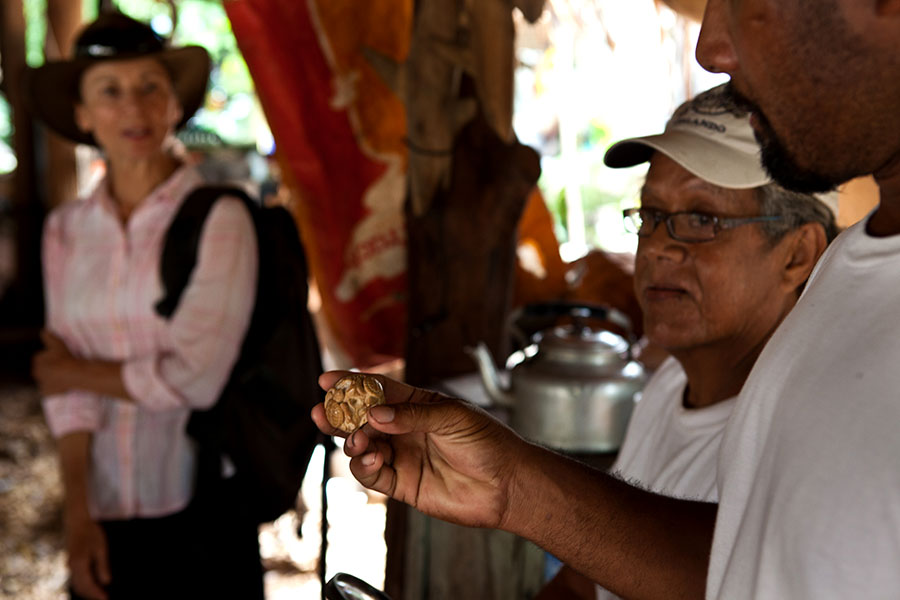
52	89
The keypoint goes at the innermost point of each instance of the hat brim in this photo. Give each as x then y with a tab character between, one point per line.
52	89
711	161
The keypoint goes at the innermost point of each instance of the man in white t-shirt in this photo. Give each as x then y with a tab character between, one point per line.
810	462
809	466
711	282
711	292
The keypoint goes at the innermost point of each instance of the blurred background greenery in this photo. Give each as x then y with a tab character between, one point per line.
589	73
231	112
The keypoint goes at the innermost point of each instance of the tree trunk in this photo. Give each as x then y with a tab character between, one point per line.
63	23
22	303
461	264
462	254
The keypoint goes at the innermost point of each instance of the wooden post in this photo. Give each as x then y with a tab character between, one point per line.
462	213
460	271
22	304
63	23
462	255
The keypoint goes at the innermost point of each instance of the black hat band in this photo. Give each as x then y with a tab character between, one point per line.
106	51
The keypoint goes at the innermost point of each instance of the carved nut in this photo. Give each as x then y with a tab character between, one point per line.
349	398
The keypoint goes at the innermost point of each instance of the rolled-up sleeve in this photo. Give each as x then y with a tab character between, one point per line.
72	411
208	326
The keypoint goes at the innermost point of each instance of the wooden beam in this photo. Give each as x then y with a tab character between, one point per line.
22	304
462	255
461	263
63	24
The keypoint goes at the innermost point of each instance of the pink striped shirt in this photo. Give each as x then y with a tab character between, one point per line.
101	282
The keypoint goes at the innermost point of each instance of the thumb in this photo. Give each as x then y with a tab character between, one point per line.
329	378
445	417
101	565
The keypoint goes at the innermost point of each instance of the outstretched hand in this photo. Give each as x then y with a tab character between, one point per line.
443	456
451	460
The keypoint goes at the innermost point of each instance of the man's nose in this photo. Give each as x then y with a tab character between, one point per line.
660	244
715	50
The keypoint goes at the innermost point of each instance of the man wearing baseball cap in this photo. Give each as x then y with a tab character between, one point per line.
723	253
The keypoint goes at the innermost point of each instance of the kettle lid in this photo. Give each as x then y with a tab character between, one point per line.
582	345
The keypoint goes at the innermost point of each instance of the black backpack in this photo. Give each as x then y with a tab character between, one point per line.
261	421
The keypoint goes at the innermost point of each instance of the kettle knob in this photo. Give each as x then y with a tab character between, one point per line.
578	310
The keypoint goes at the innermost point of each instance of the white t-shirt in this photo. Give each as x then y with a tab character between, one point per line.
809	471
668	448
671	449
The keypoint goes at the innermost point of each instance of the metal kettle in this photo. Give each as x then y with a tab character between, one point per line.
574	387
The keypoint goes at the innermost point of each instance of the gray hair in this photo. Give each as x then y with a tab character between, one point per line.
796	209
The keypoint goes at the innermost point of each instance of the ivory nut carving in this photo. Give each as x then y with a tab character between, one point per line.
349	398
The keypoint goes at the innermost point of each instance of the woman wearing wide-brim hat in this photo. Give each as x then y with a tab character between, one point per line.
119	382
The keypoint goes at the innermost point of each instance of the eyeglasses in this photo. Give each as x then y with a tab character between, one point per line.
685	226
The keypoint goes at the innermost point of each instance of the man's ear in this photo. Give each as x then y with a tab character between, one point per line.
804	247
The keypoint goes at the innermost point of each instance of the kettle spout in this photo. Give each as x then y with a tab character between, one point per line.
489	376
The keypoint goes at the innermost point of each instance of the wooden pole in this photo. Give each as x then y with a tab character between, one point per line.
63	24
462	255
22	304
468	187
461	263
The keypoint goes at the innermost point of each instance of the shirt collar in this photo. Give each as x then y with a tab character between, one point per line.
173	189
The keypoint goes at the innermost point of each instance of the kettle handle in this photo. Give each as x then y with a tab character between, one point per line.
344	586
582	310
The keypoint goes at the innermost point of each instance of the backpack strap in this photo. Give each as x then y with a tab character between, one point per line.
182	242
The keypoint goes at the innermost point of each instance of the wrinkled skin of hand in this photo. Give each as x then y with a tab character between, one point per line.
443	456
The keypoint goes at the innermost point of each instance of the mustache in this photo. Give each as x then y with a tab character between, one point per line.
740	101
743	104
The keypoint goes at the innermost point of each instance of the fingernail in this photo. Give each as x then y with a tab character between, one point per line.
382	414
369	459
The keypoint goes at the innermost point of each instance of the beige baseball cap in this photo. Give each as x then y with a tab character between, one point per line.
711	137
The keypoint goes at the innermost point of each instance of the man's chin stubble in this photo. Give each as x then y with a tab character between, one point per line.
786	172
776	159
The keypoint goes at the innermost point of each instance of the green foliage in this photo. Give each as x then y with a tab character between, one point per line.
6	133
35	31
6	129
595	135
596	203
88	10
230	108
602	197
560	212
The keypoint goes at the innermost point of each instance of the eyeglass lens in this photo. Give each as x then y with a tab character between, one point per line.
685	226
